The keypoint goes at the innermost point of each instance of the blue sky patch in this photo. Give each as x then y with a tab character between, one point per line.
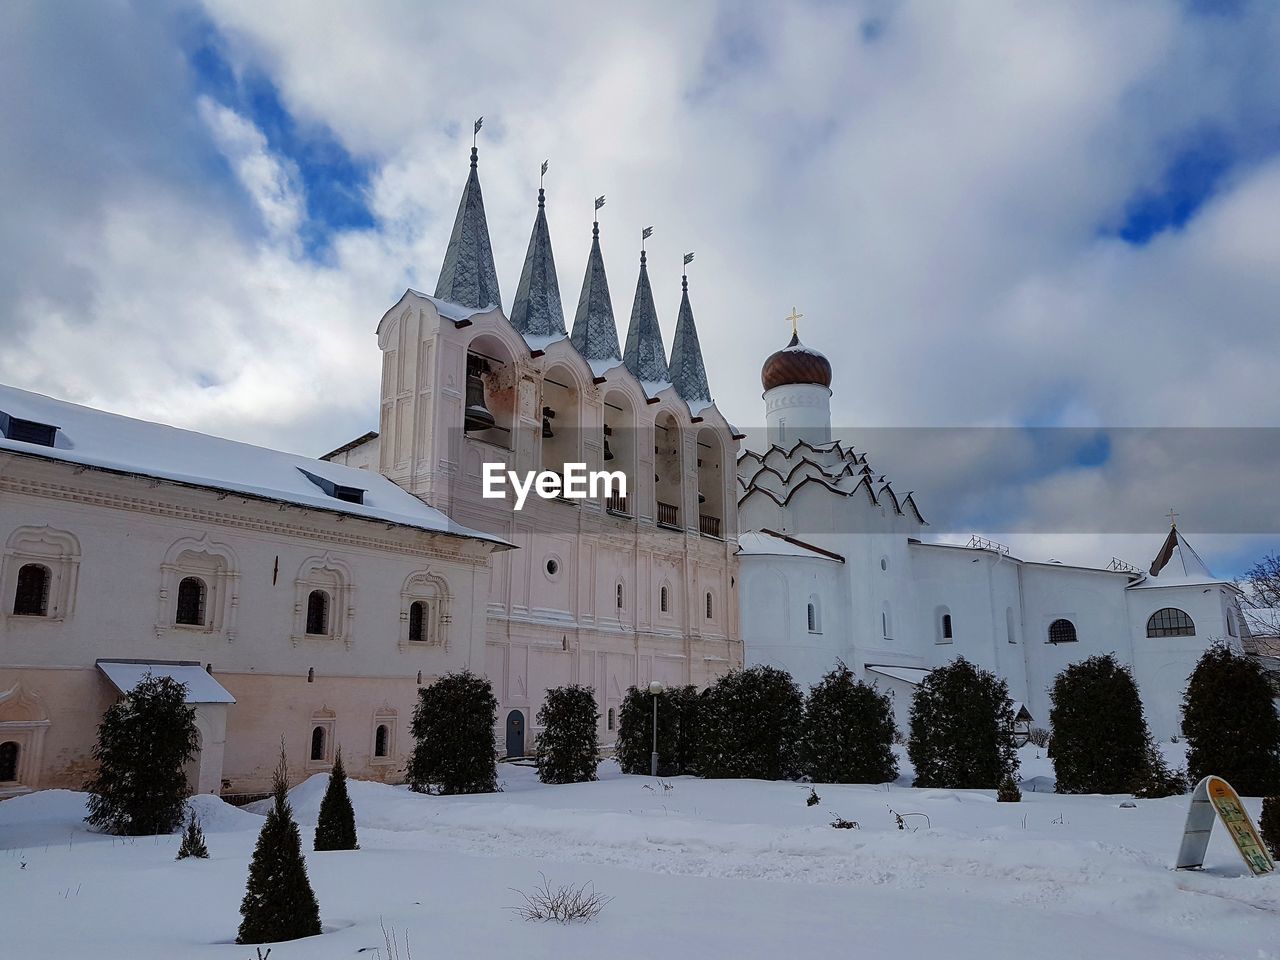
1188	181
335	182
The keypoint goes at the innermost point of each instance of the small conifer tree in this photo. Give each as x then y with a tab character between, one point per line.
336	827
750	724
193	844
453	725
144	741
962	729
1269	825
677	731
1230	721
1101	743
848	731
1009	791
279	903
568	748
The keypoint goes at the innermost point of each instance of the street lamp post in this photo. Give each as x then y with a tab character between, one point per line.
655	690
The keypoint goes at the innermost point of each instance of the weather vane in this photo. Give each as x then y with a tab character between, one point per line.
795	319
645	234
688	259
545	164
599	202
479	124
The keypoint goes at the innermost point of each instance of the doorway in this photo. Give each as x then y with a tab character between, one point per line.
515	734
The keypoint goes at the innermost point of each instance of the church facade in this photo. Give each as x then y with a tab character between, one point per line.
835	567
606	592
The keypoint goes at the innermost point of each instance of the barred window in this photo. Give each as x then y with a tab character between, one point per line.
191	602
417	621
1062	631
318	613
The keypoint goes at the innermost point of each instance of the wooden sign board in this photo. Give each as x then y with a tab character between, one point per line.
1213	799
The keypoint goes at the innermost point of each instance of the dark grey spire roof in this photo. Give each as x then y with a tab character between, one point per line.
688	373
537	311
595	335
645	356
468	276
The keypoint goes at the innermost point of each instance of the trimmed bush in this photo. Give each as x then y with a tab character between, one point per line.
677	731
962	729
1269	825
848	731
144	741
1230	721
568	748
193	844
279	903
453	726
336	827
750	724
1101	743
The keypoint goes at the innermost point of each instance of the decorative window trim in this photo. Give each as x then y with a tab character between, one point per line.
57	550
433	590
214	563
332	575
24	720
388	717
326	718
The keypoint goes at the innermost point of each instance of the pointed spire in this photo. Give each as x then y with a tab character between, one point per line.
645	356
595	335
688	372
468	276
537	310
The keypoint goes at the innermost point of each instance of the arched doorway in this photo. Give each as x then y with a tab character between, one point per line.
515	734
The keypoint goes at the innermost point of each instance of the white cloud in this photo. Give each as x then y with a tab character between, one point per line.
934	200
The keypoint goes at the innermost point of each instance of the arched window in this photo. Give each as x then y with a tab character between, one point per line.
619	595
317	613
710	608
191	599
381	738
317	743
1008	625
417	621
946	626
31	599
610	718
8	761
814	615
813	619
664	601
1170	622
1062	631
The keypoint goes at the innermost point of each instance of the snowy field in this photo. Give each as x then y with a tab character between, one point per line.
740	869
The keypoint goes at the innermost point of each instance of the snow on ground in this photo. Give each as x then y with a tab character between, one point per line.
695	868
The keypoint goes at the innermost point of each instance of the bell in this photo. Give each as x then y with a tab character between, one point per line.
477	415
702	498
608	432
547	416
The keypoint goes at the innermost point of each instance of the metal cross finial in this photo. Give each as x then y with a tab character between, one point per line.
1173	518
795	318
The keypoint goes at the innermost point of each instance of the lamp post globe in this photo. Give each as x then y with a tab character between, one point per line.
655	690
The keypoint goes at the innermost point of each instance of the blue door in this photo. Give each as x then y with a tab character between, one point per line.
515	734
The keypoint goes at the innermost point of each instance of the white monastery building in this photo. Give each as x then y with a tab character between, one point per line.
833	567
311	599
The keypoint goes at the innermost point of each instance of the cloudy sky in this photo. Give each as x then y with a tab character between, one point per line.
992	214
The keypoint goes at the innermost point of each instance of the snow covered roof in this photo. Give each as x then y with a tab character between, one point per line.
201	687
107	441
450	310
1177	564
773	544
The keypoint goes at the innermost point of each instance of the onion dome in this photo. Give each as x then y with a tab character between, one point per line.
795	363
